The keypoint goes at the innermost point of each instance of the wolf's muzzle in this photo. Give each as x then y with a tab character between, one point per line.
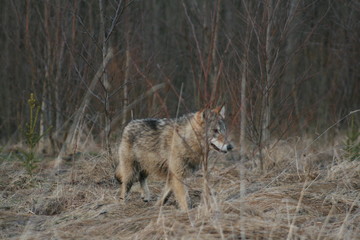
224	149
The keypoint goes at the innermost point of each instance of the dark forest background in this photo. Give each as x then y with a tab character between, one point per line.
282	68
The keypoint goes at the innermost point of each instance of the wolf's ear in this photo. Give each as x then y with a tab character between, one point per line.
220	110
200	116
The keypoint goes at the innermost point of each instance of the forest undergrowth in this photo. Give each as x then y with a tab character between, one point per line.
302	193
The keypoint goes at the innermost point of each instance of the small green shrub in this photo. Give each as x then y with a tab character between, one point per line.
352	142
32	137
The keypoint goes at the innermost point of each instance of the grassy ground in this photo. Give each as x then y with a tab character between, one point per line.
312	194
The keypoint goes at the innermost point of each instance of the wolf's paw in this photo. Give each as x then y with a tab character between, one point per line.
122	201
146	198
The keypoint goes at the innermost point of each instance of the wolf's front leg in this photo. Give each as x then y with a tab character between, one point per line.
180	192
145	192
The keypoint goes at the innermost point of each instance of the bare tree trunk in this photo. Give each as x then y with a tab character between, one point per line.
206	41
243	108
58	63
5	94
28	46
58	112
127	66
266	90
156	24
47	76
291	42
243	111
42	117
104	43
126	82
268	80
214	43
105	82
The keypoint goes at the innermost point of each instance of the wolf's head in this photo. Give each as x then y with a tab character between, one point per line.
214	128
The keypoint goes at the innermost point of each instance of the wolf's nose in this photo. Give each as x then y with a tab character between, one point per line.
229	147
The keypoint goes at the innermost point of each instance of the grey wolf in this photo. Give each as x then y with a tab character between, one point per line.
168	148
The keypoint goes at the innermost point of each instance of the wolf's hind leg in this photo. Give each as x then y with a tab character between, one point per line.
166	194
118	174
127	177
145	194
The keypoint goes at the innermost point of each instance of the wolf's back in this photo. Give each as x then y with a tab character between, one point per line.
146	133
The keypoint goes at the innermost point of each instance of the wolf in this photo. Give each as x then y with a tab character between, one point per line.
170	149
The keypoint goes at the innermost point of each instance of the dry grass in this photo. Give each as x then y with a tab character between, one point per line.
311	196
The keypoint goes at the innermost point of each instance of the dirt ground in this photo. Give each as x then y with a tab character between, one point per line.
312	195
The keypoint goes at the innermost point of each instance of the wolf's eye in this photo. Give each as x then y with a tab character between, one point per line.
215	131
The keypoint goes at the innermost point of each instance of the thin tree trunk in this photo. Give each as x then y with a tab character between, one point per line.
291	41
243	111
243	108
5	85
267	91
28	46
213	76
47	76
127	66
105	81
58	112
203	74
156	25
59	66
42	116
104	43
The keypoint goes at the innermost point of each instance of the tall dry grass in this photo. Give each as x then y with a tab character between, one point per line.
303	193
